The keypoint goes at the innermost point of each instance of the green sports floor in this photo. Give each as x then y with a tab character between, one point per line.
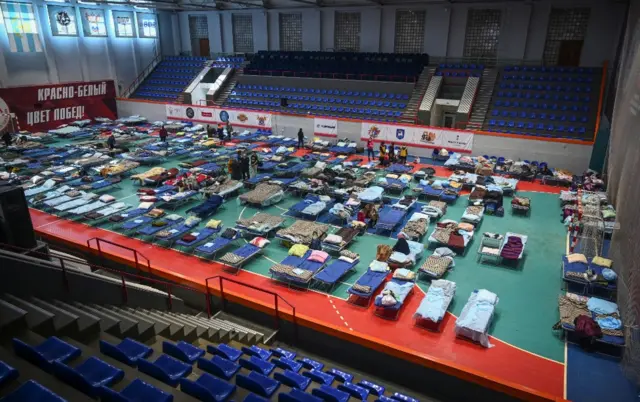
528	292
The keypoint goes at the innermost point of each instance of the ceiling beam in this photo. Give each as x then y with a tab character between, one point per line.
310	2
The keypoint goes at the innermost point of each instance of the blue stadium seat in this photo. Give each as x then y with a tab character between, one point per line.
165	368
292	379
43	355
207	388
32	391
89	375
257	383
137	390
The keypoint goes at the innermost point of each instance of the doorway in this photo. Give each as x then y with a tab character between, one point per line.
204	47
448	120
570	52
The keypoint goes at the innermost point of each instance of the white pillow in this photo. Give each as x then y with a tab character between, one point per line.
145	205
260	242
379	266
107	198
347	259
173	217
334	239
341	144
352	145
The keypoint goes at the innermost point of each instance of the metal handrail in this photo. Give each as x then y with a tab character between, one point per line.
136	253
275	295
160	283
141	77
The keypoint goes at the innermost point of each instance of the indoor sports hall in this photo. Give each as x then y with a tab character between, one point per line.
319	200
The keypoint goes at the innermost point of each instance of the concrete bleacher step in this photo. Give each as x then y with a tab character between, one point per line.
118	326
29	371
220	333
190	332
174	331
201	331
145	323
144	330
12	317
257	334
37	318
64	322
87	322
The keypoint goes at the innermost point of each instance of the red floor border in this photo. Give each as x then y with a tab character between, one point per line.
503	368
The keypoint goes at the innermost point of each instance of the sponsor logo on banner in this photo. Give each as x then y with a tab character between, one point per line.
224	116
374	132
190	113
242	117
428	137
206	114
326	127
400	133
261	120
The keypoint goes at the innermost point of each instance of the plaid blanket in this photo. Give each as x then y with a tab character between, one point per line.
436	265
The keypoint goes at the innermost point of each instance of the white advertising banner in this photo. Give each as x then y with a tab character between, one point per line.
325	127
214	115
420	136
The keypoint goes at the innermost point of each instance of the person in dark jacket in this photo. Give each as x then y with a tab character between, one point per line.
316	243
300	139
6	137
244	165
111	142
255	162
229	130
163	134
220	133
392	152
402	246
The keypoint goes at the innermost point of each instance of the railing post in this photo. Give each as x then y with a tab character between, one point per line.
169	301
223	301
135	257
65	280
207	297
275	297
125	296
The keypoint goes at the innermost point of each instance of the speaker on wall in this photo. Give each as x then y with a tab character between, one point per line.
283	102
16	228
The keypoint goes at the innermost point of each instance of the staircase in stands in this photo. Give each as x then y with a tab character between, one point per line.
481	106
228	87
411	112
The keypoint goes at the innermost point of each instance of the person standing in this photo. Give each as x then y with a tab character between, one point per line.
300	138
220	133
382	151
163	134
229	130
370	148
111	142
392	152
244	166
6	137
404	152
254	162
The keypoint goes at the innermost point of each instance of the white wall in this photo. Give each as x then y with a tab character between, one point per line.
80	58
522	34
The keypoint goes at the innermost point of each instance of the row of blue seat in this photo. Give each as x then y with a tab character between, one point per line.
226	65
192	71
186	58
540	134
155	95
547	78
463	66
540	116
182	83
181	64
543	106
556	97
235	59
358	102
461	74
539	126
335	109
327	115
548	88
159	88
319	91
552	69
162	75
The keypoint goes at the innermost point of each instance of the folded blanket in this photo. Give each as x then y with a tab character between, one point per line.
436	265
361	288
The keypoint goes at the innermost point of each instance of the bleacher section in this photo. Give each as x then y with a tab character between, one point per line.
366	105
339	65
55	351
170	78
230	62
545	101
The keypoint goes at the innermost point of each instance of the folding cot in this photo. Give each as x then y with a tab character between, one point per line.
134	224
257	179
398	168
142	209
211	248
85	199
475	318
301	232
291	170
223	189
49	195
195	238
451	234
171	235
332	273
574	272
366	286
164	223
435	303
473	214
339	240
46	186
389	218
345	148
68	196
437	264
311	207
401	260
207	208
174	200
297	271
398	288
260	224
106	212
99	184
429	191
240	256
490	244
162	178
393	185
416	227
604	312
81	210
513	247
371	194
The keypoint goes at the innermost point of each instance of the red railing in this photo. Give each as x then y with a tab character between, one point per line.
276	297
141	77
136	253
169	286
124	276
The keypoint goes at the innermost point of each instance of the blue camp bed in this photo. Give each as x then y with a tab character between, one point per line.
135	223
207	208
245	253
151	230
389	218
203	235
401	290
330	276
394	185
210	249
298	208
370	279
398	168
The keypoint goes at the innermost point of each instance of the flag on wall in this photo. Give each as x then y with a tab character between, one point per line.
22	28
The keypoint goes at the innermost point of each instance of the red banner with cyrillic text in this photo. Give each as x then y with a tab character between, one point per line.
45	107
